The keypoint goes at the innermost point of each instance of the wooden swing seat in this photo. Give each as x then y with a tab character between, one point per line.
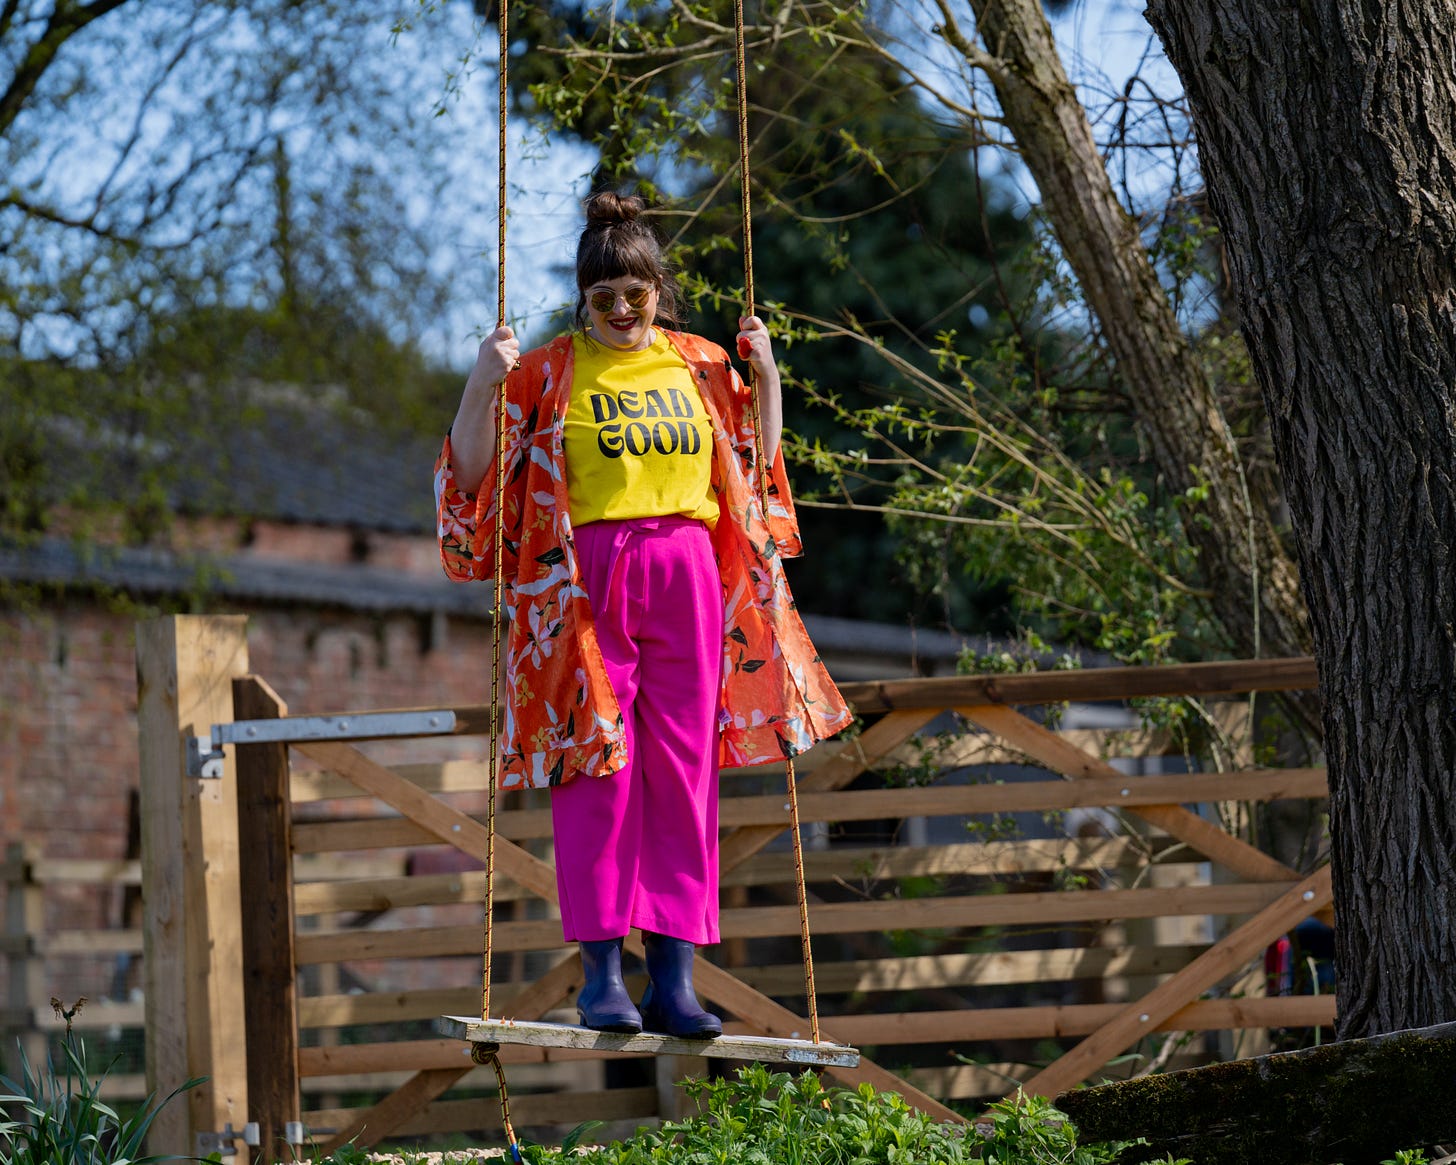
766	1049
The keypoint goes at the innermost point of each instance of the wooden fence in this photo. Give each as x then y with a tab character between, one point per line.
93	972
963	964
69	965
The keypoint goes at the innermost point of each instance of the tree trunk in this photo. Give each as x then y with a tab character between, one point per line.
1327	134
1316	1104
1239	549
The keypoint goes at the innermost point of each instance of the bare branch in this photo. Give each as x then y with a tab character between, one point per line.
65	22
185	46
7	16
949	31
51	215
934	92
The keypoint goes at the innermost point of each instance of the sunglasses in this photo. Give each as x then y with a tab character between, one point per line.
636	297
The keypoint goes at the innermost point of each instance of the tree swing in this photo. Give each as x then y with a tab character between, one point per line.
487	1035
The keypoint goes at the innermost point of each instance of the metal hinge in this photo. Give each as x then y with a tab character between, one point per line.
205	755
224	1144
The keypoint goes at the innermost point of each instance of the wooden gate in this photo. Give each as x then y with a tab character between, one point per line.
885	957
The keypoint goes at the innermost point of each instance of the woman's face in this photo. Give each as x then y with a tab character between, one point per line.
624	323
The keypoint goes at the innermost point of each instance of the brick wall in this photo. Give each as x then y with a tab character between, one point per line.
68	748
68	733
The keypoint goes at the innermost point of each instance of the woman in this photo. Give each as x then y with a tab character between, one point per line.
652	633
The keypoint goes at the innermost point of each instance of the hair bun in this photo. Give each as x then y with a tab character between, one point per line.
620	240
606	207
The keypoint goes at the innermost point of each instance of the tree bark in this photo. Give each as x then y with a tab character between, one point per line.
1240	553
1315	1104
1327	135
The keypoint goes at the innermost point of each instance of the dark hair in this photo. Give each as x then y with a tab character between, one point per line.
619	240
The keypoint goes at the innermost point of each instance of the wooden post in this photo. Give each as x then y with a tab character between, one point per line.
265	877
193	946
673	1103
24	923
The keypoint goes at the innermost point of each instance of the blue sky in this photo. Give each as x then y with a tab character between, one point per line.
1103	42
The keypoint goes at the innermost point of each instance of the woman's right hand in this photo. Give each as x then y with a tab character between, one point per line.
499	353
473	435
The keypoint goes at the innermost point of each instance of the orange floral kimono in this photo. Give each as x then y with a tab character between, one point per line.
561	716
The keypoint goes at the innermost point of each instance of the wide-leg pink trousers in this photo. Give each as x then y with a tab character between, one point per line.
640	848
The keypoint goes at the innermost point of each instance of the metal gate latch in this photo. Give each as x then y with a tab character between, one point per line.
205	755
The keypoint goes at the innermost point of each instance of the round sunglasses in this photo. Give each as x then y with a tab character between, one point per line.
636	297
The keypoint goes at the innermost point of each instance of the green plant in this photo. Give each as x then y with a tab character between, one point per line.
57	1117
1027	1130
774	1118
353	1154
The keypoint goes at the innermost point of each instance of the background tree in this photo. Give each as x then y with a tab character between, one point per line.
196	193
862	224
1328	140
863	197
1092	469
1248	574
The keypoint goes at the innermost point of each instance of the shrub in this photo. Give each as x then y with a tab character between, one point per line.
764	1118
56	1117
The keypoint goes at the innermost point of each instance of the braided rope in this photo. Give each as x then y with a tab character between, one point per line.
503	99
745	201
741	62
490	1053
809	992
498	539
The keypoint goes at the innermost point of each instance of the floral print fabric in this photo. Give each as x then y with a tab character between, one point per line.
561	716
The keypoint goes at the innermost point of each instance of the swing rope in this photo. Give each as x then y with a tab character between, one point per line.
490	1053
497	540
745	199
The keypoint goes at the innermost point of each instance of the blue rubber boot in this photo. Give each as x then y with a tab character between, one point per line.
603	1002
670	1004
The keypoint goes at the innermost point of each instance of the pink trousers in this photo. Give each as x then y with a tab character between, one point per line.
640	848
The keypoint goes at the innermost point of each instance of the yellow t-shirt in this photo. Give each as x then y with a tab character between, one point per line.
639	441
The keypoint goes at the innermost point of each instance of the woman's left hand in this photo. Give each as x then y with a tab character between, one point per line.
755	347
